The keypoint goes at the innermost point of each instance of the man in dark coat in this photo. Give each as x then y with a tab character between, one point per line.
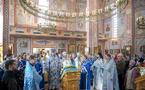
9	80
120	64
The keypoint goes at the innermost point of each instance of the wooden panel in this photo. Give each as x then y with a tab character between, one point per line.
117	51
106	51
128	51
71	49
71	81
81	49
111	51
96	50
123	51
140	81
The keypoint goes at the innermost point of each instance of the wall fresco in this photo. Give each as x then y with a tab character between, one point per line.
24	18
11	12
80	25
58	5
95	33
139	42
23	45
106	45
123	44
1	22
138	3
108	26
139	31
121	26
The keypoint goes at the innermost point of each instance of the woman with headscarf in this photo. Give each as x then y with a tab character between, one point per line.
131	74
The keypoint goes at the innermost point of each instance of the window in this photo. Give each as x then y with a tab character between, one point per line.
87	23
114	25
45	6
1	29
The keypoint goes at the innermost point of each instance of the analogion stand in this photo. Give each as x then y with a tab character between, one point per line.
70	80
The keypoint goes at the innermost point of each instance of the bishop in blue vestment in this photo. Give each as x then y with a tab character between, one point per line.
53	67
85	82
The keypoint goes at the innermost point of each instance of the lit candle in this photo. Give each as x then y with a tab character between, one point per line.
81	13
27	1
68	14
32	3
116	3
137	19
92	12
75	14
87	13
111	6
107	8
101	10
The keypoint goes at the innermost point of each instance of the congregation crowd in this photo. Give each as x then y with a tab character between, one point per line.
32	72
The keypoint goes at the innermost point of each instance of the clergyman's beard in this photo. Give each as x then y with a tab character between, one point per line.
14	69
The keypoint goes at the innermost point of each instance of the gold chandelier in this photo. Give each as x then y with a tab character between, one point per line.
45	27
95	15
140	22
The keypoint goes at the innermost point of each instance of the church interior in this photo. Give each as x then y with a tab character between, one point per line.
71	26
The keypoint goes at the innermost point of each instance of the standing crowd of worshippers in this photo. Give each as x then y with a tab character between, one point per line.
31	72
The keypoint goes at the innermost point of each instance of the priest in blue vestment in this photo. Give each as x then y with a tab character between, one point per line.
97	69
22	65
32	79
85	82
39	69
53	68
110	76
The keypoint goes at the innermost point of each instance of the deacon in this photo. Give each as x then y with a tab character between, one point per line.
53	68
39	67
32	79
97	69
110	76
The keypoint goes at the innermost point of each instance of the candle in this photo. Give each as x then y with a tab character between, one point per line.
107	8
137	19
87	14
116	3
27	1
68	14
111	6
75	14
92	12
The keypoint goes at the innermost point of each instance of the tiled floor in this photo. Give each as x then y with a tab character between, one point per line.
46	87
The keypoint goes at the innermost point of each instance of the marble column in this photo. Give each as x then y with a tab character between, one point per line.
6	27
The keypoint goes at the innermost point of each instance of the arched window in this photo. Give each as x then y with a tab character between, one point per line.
1	28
